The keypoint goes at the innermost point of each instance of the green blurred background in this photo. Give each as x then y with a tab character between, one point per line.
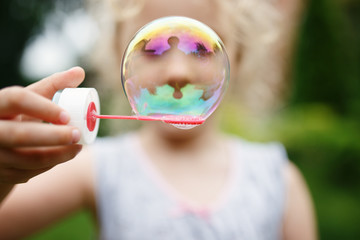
320	124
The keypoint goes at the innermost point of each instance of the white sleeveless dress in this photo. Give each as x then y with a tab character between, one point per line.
135	203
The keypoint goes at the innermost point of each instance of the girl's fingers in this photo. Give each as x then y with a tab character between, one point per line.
37	158
33	100
30	148
27	134
18	100
47	87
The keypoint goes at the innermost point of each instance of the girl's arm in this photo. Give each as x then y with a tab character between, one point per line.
48	198
29	147
299	218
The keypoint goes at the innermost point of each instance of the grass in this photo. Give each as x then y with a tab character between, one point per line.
78	226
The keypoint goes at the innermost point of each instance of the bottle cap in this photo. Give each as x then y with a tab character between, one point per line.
80	103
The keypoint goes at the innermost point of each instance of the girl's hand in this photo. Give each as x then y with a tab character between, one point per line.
28	146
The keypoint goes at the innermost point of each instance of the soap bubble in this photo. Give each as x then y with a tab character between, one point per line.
175	67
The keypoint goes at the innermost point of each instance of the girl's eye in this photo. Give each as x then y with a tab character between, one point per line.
150	54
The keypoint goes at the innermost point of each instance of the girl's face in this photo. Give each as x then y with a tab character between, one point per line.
177	69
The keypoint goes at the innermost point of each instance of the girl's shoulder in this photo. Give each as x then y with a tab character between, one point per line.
253	146
258	154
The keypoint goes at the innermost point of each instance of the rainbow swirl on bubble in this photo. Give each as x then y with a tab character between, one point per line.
175	66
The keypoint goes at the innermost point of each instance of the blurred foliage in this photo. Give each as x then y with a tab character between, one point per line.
19	20
320	126
327	62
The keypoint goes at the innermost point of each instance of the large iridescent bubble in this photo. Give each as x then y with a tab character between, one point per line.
175	67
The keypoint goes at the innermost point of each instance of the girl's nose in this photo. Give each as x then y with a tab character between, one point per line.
178	73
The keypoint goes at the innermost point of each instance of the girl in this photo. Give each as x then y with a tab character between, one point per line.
158	182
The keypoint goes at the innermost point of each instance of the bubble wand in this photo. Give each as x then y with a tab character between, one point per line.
83	105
